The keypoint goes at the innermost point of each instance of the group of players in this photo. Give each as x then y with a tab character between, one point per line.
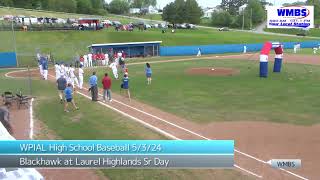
68	71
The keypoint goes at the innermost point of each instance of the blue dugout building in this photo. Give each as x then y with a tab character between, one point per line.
131	49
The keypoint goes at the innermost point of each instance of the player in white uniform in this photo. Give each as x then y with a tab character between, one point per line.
73	78
40	64
67	74
85	60
315	49
113	66
244	49
90	60
81	74
62	70
106	57
57	70
199	52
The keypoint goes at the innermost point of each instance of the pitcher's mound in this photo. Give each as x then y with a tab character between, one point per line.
213	71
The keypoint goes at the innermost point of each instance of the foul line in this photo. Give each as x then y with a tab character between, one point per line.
31	119
158	129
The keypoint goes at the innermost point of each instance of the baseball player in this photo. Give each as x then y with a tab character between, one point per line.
89	60
73	78
62	70
199	52
85	60
244	49
57	70
81	73
113	66
106	58
40	64
315	49
67	74
45	68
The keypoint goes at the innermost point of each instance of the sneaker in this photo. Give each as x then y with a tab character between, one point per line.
77	108
110	100
66	111
104	101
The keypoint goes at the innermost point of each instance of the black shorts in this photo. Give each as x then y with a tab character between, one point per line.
69	100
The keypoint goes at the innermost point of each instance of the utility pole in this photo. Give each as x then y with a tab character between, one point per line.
251	19
243	20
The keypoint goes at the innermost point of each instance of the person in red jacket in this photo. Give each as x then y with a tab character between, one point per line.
106	82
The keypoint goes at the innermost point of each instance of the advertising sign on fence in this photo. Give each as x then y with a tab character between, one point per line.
290	17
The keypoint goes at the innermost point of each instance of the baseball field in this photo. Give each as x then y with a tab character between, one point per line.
211	97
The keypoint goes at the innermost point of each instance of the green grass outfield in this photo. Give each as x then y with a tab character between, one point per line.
289	97
64	44
315	32
94	121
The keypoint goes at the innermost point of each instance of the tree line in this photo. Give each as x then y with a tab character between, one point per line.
70	6
81	6
229	15
182	11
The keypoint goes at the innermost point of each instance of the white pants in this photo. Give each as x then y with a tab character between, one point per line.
244	51
57	75
107	61
85	63
294	50
115	73
199	54
74	81
80	82
45	74
103	62
90	63
315	51
41	70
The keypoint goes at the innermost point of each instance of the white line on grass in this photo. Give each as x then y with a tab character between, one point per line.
31	118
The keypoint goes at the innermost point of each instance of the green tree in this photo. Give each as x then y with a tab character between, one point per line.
256	9
84	6
6	3
193	12
142	3
119	6
232	6
63	5
316	4
169	13
221	18
97	4
180	15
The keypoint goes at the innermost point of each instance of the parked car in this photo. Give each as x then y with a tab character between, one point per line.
183	26
191	26
223	29
116	23
106	22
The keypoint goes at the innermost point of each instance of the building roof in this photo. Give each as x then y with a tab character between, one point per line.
126	43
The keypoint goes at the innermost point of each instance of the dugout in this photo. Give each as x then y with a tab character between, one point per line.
131	49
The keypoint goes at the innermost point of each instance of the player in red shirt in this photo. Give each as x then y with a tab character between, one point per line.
106	82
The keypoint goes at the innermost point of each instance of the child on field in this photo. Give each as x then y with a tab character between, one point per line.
125	85
68	92
148	72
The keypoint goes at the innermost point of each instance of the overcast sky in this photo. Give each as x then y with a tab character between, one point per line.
212	3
